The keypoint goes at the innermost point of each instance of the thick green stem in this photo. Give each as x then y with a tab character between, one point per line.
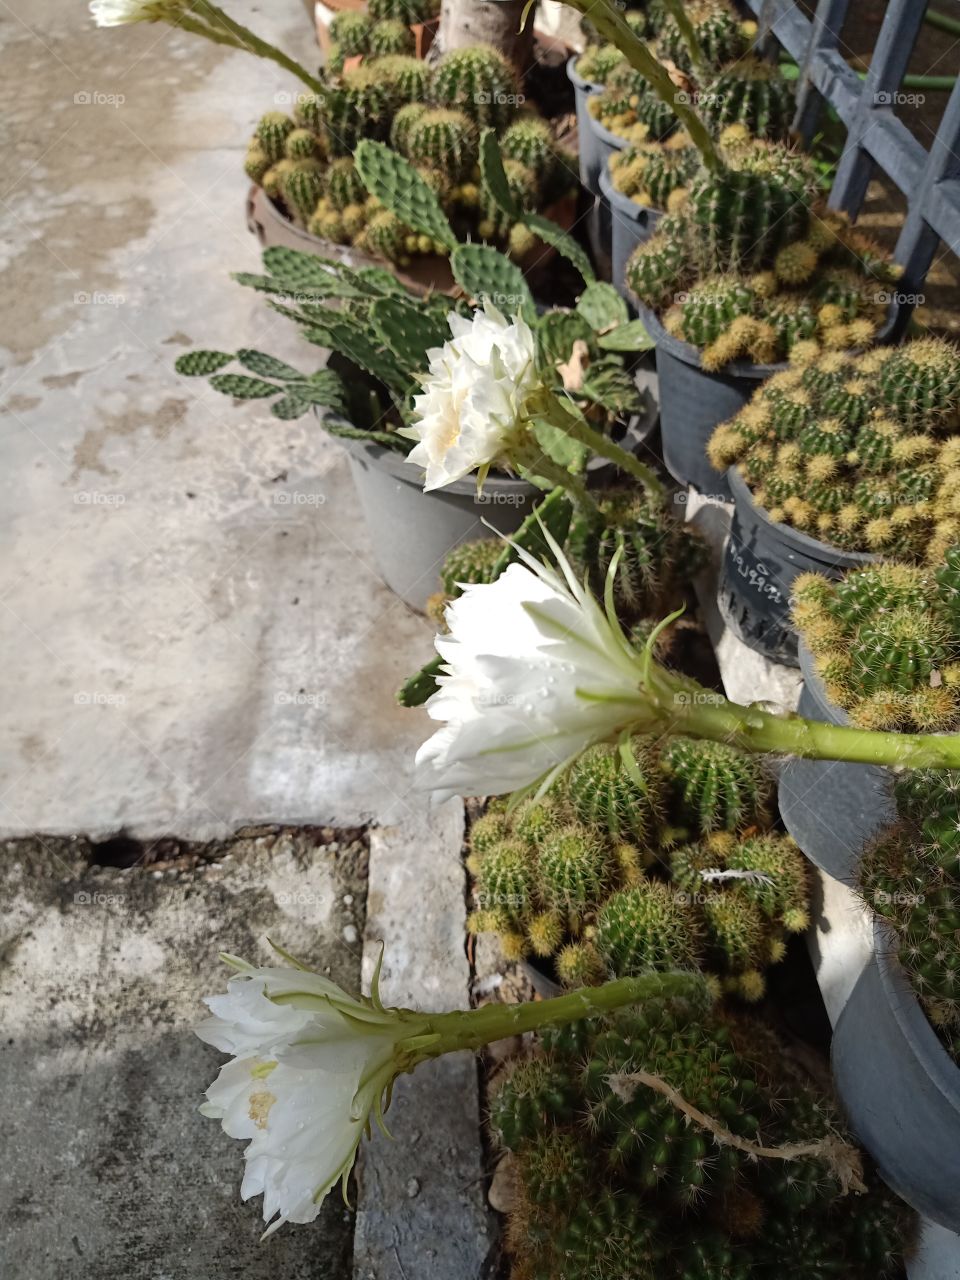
576	425
475	1028
537	463
689	709
685	27
613	27
244	38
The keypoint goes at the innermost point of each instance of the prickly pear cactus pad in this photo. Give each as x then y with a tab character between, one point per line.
850	451
631	1139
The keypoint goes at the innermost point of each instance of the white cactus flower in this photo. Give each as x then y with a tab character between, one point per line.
535	671
119	13
471	408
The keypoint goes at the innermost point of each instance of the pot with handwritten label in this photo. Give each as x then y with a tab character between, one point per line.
761	559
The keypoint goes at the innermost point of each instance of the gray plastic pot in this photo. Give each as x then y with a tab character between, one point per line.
694	402
832	809
899	1087
591	157
630	224
761	559
412	531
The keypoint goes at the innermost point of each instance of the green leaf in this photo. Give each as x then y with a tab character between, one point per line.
415	691
387	439
554	513
241	387
484	272
408	330
396	183
560	240
495	177
602	307
631	336
290	406
193	364
267	366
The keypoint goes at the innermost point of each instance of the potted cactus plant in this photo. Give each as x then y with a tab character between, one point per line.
308	193
896	1046
880	650
835	461
384	338
619	1129
357	29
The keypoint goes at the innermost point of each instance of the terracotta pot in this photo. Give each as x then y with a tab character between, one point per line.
428	272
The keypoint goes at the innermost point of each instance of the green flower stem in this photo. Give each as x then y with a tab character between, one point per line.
244	38
537	463
685	26
474	1028
689	709
613	27
576	425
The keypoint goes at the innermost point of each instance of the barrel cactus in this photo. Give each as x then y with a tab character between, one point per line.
480	82
391	36
621	798
573	873
443	138
649	926
409	11
405	77
719	34
713	786
752	93
359	106
469	563
343	185
351	31
272	132
301	188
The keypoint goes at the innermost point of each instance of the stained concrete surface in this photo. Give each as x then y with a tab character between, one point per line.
194	631
194	638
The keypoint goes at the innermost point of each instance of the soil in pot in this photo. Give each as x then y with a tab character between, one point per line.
831	808
761	559
899	1087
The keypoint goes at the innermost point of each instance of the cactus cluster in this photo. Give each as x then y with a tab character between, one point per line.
748	265
607	1165
852	452
385	29
598	62
600	877
886	643
656	176
720	34
432	117
628	107
909	877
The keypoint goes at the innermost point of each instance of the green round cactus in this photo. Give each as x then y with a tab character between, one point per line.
301	188
714	787
535	821
302	144
351	31
272	181
488	831
405	77
505	880
598	61
343	185
391	37
444	139
578	964
271	132
409	11
751	93
780	883
649	926
358	107
308	111
386	235
573	872
403	125
607	794
256	162
920	383
469	563
718	34
657	266
480	82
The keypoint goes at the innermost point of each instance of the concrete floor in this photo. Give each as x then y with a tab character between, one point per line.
187	648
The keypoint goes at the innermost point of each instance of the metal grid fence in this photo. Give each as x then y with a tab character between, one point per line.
929	180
